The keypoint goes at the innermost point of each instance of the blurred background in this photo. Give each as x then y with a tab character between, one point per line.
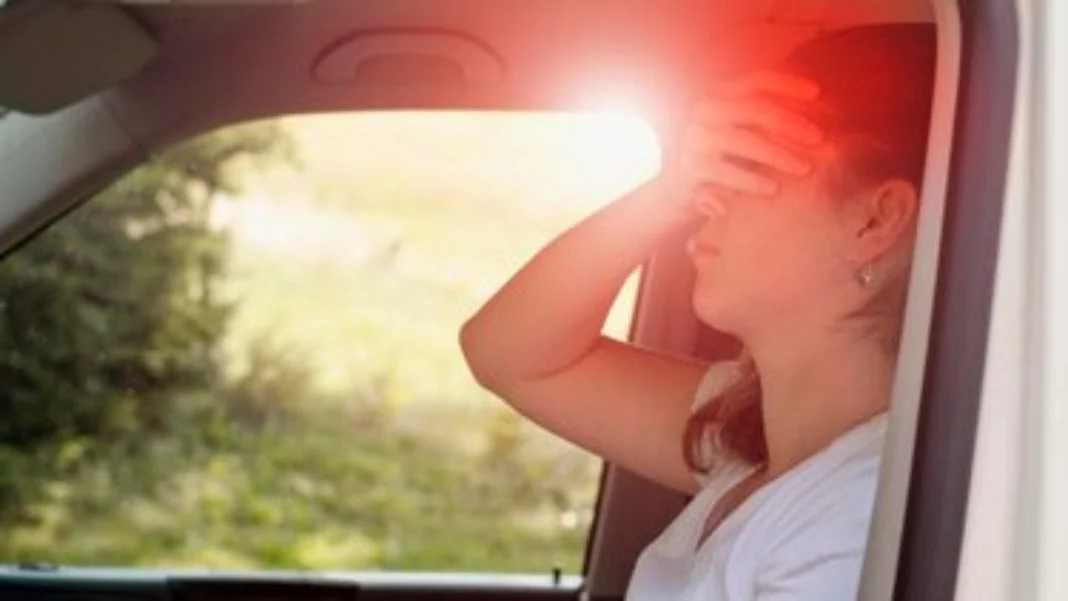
244	353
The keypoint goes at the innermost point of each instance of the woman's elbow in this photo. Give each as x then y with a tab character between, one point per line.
482	361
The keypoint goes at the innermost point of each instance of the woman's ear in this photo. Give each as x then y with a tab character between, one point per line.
880	218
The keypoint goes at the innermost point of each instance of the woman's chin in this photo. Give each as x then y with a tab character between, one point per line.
714	314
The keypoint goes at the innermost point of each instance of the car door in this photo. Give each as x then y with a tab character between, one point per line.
1010	516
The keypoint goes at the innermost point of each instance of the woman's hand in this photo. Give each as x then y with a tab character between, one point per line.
737	139
542	350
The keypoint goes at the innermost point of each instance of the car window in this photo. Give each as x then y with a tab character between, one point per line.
244	353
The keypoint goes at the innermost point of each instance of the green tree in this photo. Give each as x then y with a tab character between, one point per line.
107	316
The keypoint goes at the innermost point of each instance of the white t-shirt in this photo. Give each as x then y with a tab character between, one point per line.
801	537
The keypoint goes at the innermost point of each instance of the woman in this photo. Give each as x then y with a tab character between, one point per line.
805	183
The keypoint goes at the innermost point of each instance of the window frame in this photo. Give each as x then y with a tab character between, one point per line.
931	543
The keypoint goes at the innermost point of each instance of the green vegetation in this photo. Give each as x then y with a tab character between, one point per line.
243	354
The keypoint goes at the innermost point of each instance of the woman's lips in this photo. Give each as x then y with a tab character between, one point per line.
698	248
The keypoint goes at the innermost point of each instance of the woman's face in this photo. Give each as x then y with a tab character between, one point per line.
771	261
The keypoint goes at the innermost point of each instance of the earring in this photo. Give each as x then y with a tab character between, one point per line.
866	275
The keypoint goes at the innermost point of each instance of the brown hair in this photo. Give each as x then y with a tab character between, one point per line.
876	86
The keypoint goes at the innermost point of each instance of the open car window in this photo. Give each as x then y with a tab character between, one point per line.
243	354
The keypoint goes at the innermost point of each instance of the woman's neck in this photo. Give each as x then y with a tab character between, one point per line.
817	389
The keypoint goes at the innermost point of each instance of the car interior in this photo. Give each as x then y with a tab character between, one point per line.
90	90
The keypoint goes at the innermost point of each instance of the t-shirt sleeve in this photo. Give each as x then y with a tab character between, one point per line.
822	577
821	562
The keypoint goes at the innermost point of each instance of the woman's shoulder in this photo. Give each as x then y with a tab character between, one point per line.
808	530
805	536
834	496
819	551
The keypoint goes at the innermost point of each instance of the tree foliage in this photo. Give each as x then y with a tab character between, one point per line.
124	438
115	308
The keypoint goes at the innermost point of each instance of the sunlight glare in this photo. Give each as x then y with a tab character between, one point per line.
620	147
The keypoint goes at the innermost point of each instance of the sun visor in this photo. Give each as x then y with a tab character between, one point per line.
53	53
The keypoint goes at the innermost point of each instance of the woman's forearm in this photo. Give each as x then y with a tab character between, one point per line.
550	314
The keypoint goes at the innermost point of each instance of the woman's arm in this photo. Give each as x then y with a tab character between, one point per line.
538	344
